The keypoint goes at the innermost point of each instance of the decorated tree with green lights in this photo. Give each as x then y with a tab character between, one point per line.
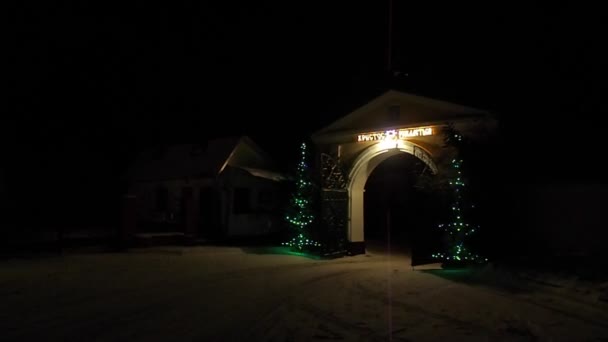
300	214
459	228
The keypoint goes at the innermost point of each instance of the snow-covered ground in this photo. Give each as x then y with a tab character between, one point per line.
239	294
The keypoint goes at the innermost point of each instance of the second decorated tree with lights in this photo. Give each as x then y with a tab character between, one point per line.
459	228
300	213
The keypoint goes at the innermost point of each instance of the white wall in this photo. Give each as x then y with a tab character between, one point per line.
262	219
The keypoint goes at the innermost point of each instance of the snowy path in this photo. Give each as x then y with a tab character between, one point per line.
226	294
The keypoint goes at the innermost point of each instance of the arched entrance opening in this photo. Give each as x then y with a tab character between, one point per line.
388	204
395	203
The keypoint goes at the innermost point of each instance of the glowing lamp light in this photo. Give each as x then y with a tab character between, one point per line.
393	143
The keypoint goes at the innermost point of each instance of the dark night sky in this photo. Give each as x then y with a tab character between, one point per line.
91	83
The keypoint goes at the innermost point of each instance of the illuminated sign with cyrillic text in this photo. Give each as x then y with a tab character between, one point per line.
395	134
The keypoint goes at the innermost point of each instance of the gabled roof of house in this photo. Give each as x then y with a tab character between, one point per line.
198	161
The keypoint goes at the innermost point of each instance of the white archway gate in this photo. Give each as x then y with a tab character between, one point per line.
362	168
353	146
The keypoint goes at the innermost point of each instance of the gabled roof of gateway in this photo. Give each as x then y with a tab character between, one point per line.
414	110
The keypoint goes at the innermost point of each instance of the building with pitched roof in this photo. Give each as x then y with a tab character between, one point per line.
226	188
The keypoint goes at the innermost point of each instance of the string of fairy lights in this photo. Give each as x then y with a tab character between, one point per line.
300	212
458	229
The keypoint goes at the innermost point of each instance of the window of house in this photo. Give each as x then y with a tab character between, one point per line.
265	197
158	153
242	201
186	192
162	198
